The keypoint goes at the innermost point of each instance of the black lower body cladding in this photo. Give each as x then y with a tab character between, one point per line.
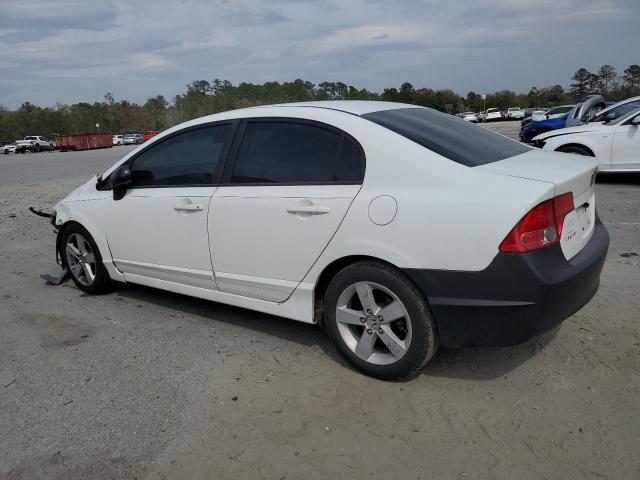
518	296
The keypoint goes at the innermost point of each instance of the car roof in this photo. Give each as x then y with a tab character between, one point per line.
355	107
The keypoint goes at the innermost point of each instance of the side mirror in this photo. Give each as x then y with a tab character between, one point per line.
609	116
121	181
635	120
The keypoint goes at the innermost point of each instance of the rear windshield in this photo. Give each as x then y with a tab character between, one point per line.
448	135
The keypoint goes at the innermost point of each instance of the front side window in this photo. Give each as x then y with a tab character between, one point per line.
446	135
296	153
617	112
191	158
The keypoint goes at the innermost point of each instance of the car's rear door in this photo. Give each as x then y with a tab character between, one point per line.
282	199
159	229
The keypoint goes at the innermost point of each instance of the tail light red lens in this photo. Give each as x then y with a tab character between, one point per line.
541	227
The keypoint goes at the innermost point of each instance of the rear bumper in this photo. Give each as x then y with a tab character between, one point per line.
517	297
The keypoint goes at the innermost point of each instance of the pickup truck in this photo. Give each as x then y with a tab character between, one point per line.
35	143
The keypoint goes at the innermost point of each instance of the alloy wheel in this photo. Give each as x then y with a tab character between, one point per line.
81	259
373	323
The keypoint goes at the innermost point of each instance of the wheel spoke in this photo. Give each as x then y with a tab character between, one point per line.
391	340
82	245
88	272
365	295
90	258
364	349
348	316
392	312
73	251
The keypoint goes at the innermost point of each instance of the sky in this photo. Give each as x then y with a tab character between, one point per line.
67	51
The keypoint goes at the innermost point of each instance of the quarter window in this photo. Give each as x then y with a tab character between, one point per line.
296	153
191	158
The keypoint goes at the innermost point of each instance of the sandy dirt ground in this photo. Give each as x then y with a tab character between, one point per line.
145	384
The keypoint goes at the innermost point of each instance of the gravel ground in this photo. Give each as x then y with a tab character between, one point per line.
145	384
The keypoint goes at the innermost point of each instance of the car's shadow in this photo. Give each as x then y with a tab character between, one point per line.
465	363
631	178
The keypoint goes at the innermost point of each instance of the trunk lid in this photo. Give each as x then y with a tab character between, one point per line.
568	173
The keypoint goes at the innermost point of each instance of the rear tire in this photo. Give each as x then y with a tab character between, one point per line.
82	259
577	149
378	321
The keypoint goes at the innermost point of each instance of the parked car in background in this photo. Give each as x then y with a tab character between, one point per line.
491	115
132	139
35	143
118	139
617	109
361	226
148	135
556	112
13	147
614	142
515	113
578	114
469	117
538	115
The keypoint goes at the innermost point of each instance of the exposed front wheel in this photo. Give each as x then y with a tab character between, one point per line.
379	321
81	257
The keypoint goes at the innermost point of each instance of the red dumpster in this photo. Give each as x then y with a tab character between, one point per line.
84	141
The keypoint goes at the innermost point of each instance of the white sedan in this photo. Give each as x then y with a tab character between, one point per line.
515	113
615	143
469	117
491	115
397	228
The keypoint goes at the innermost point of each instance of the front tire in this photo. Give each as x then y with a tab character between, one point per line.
82	259
378	321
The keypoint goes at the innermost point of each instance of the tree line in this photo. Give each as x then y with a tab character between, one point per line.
203	97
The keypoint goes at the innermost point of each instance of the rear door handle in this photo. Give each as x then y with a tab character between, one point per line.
188	207
310	209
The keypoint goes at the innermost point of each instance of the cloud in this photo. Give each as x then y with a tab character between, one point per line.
76	50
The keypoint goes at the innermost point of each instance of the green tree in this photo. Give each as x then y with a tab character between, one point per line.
632	76
607	75
581	83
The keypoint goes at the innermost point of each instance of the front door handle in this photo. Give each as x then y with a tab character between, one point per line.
309	209
188	207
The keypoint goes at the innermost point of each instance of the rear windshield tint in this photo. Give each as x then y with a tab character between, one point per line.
448	135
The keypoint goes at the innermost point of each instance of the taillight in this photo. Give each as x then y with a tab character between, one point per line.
541	227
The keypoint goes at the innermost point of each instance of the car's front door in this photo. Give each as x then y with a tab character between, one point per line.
282	200
625	149
159	228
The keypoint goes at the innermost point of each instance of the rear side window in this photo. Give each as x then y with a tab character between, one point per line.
186	159
559	110
449	136
296	153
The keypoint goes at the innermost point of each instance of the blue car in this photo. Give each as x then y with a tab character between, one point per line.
542	126
576	116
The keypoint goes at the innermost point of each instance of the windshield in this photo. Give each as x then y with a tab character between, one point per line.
448	136
30	138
